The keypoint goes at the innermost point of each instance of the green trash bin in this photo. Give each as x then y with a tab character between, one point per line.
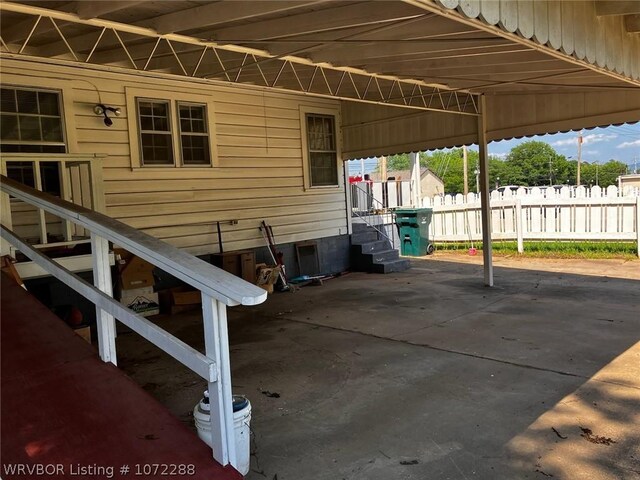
413	230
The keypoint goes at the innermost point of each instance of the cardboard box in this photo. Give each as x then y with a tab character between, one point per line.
190	297
241	263
84	332
143	301
134	271
267	276
137	274
179	299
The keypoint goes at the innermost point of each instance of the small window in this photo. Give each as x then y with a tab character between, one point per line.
194	134
156	141
31	121
321	141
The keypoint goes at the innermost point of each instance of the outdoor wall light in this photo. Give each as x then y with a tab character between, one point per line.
101	109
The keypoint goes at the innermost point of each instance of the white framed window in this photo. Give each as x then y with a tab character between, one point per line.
31	121
194	134
320	147
174	129
156	139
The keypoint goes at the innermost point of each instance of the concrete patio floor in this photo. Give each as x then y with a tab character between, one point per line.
428	375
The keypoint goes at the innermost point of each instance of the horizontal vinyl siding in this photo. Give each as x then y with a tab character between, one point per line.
258	176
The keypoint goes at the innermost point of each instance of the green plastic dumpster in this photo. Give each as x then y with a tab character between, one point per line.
413	230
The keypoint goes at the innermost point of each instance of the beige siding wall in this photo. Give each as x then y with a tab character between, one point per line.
258	173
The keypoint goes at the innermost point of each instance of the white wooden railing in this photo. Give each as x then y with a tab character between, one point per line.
218	288
563	214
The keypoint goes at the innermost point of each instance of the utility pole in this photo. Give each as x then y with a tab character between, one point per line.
579	157
383	169
465	168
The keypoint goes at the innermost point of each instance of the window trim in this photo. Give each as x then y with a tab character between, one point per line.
306	165
132	93
63	124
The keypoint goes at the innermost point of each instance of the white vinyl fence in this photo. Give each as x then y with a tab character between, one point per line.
539	214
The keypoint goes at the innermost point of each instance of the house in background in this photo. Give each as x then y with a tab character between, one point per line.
431	184
629	183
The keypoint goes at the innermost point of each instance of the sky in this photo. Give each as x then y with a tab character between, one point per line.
598	145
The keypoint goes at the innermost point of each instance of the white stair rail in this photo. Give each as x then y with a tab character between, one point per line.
218	288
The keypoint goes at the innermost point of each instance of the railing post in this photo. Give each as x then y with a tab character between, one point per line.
519	225
216	344
102	280
65	193
5	212
42	218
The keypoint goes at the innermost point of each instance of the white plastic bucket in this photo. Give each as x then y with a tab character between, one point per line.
241	421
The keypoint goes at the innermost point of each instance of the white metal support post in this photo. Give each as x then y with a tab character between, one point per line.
102	280
216	343
347	193
415	180
487	253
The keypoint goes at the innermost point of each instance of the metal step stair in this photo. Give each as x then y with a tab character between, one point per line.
370	253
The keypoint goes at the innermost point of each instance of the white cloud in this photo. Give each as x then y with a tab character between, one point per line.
501	155
598	137
591	152
635	143
591	138
566	141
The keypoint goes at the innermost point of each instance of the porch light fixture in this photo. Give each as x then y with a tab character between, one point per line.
101	109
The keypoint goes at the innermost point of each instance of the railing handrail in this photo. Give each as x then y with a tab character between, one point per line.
211	280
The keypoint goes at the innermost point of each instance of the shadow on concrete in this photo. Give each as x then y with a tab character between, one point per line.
592	433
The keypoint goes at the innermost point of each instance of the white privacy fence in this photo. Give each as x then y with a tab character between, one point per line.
539	214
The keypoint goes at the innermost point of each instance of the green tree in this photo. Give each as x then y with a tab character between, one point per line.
402	161
536	163
604	175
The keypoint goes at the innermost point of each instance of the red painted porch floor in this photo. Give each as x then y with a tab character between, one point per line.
62	406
